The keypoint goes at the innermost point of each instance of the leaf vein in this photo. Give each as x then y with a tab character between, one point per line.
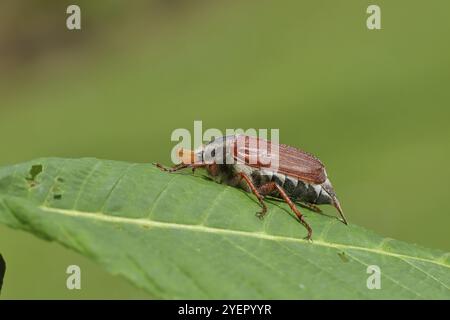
158	197
84	183
428	274
108	196
258	235
387	276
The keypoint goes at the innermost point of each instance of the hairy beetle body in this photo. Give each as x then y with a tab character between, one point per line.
265	169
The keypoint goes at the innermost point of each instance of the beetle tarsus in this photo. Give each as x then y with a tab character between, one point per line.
306	225
261	214
160	166
172	169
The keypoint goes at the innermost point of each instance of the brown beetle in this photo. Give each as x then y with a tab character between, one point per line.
242	161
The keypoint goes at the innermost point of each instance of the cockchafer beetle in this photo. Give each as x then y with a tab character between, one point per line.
237	160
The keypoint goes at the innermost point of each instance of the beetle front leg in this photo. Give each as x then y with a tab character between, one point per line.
178	167
171	169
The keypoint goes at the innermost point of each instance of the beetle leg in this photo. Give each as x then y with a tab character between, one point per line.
261	213
267	189
270	186
311	206
179	167
296	211
172	169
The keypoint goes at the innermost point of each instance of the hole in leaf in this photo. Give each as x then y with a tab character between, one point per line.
57	193
35	170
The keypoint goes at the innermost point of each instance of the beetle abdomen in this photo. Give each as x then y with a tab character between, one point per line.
296	189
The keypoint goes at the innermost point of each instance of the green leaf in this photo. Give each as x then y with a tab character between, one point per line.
184	236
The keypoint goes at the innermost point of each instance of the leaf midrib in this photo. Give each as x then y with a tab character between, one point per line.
202	228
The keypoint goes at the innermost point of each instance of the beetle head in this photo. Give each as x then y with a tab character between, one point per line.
218	151
190	156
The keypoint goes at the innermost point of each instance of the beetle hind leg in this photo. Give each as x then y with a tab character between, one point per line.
271	186
311	206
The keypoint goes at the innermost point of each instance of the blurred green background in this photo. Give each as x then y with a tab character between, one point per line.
373	105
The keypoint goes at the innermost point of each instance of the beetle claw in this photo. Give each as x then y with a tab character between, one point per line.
308	238
161	167
260	214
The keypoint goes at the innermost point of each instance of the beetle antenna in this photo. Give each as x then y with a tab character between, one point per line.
337	205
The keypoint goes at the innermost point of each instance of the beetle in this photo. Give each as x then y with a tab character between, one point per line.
248	162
